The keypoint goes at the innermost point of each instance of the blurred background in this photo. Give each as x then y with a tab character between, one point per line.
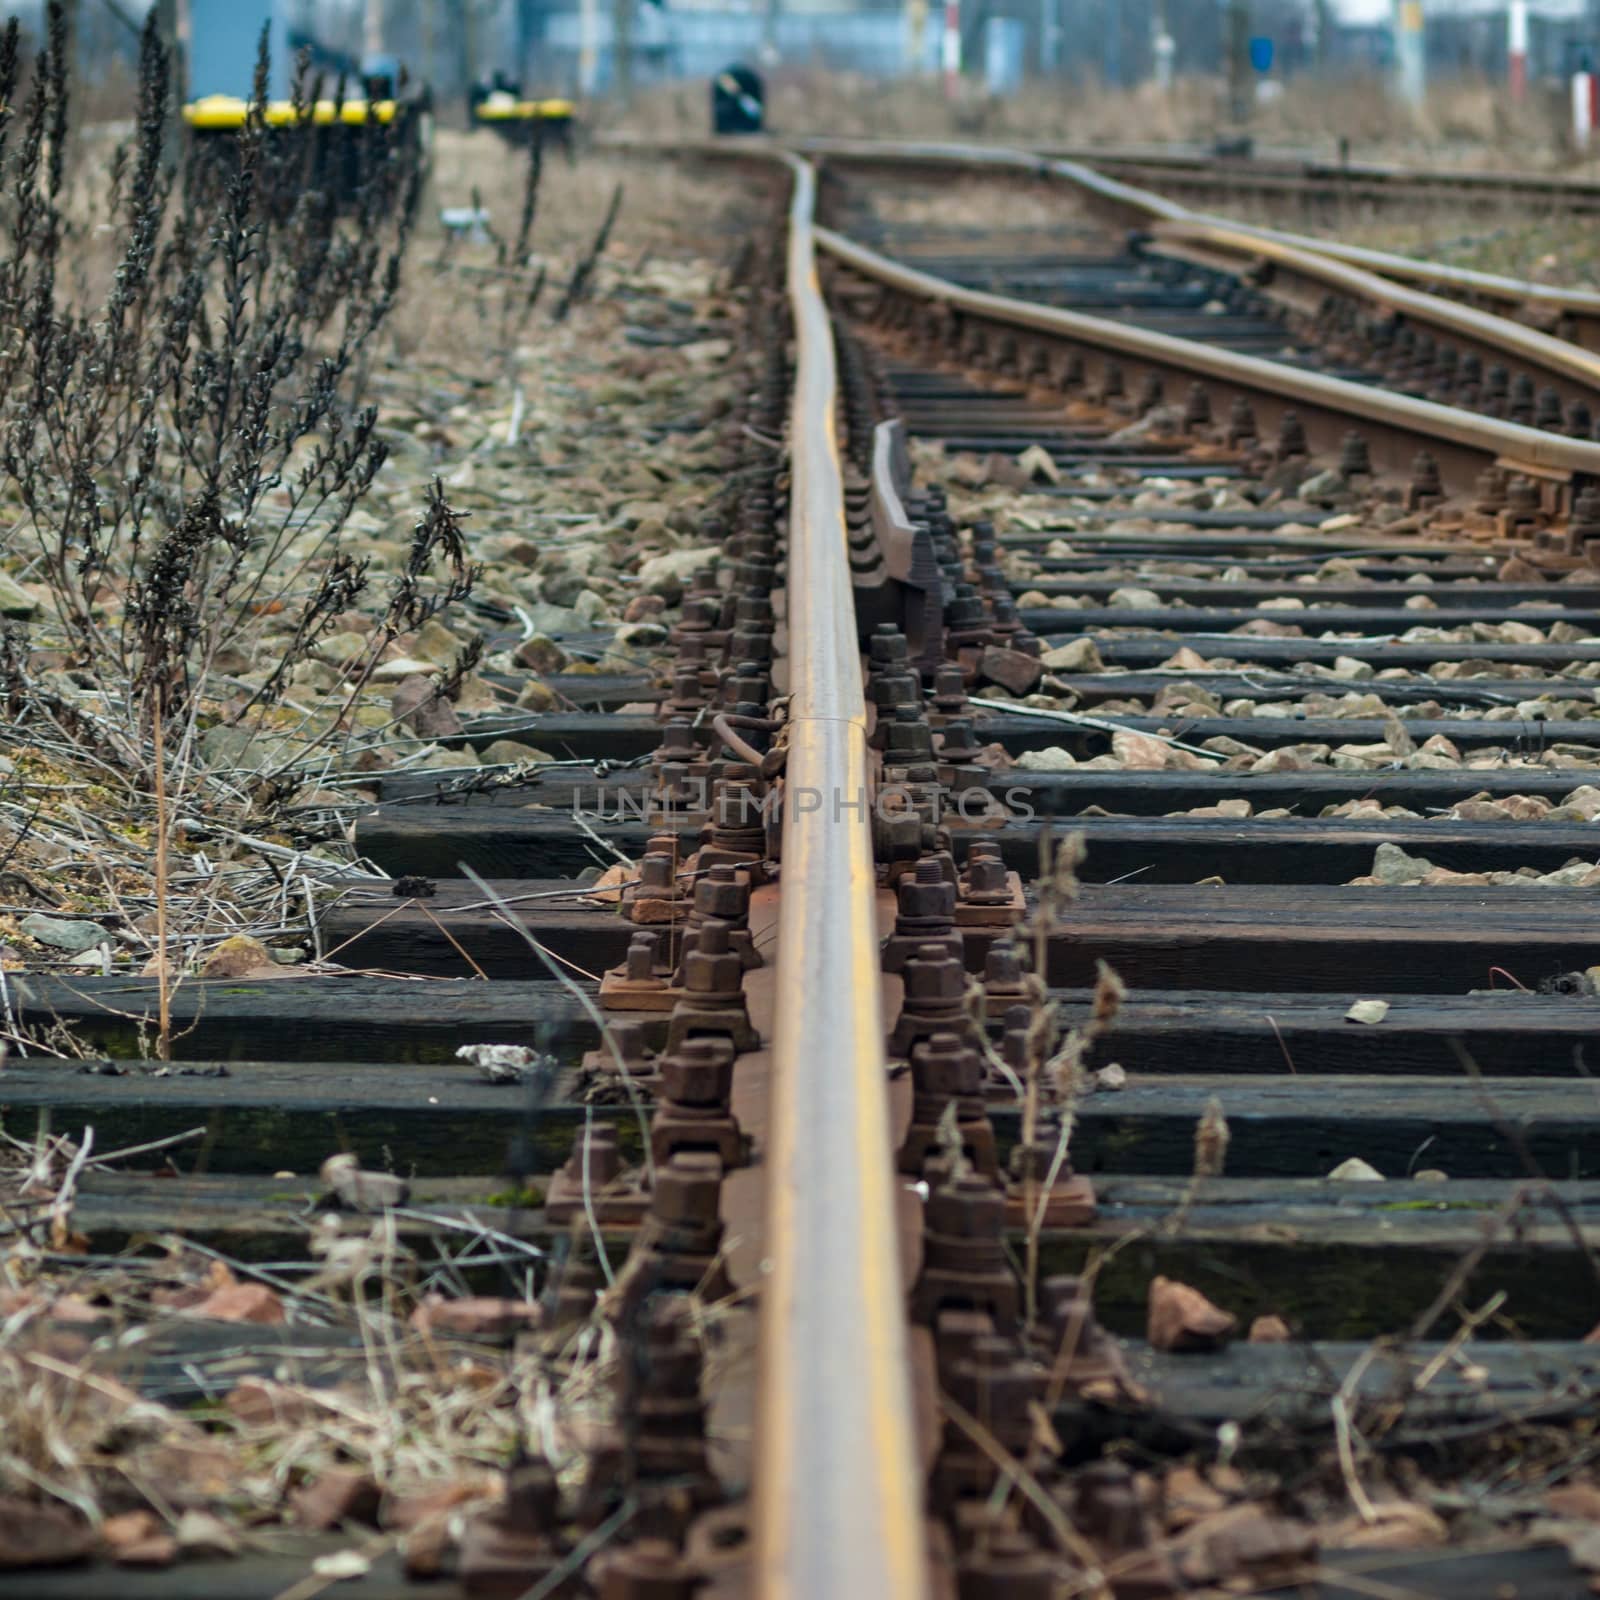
1487	71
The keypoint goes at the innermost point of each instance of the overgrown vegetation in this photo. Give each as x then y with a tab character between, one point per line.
185	439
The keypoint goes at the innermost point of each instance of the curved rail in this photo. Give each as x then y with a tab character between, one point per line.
1370	277
1145	207
1472	441
1570	368
1573	313
1362	179
838	1494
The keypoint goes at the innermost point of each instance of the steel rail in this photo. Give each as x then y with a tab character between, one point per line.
1410	423
1572	369
1576	312
837	1492
1148	206
1568	366
1199	166
1144	207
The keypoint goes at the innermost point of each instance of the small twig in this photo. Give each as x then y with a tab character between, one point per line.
1079	719
581	1551
1340	1408
60	1213
455	943
1277	1033
1470	1324
13	1028
1514	1136
150	1147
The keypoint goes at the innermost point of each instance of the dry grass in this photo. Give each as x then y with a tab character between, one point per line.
1464	123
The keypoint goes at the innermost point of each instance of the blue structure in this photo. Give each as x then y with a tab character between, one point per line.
223	36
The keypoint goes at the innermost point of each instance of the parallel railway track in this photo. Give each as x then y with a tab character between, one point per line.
1304	181
1420	327
882	1264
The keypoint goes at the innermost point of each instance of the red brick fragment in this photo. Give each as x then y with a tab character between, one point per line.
242	1302
1011	669
475	1317
1181	1318
258	1401
338	1495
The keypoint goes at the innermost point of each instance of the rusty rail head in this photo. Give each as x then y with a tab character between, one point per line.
838	1493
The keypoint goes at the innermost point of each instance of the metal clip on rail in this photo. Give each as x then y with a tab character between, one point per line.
896	576
838	1493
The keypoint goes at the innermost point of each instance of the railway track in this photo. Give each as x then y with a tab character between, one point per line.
1311	183
1568	314
1374	293
946	1128
1500	346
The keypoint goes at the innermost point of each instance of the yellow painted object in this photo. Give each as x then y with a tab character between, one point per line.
228	111
502	108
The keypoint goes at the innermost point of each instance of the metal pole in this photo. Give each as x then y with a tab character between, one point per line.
466	54
916	34
1050	36
1410	57
622	47
1239	85
951	45
1517	49
1163	48
1322	23
171	29
1583	108
588	47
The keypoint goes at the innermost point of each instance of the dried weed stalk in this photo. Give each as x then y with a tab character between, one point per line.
184	442
186	439
1052	1067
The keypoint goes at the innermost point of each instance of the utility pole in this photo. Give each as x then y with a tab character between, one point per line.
1050	37
588	47
466	54
1410	54
1323	23
169	31
622	47
1162	46
1517	48
1238	50
916	34
951	49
